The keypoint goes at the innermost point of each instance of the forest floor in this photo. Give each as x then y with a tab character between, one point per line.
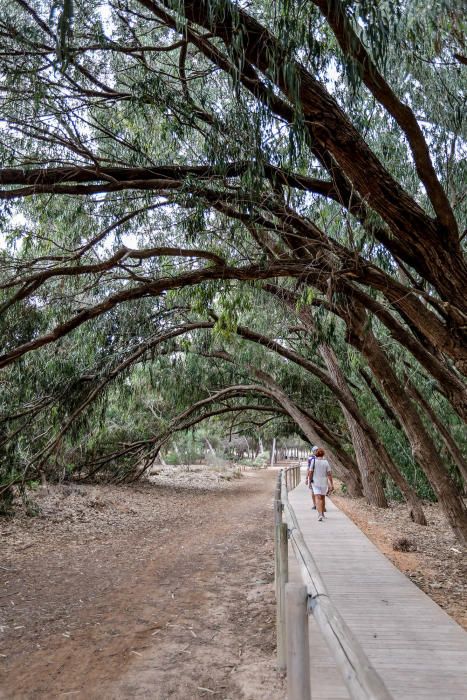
159	590
435	561
164	589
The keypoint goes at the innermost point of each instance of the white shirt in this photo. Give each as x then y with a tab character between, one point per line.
321	472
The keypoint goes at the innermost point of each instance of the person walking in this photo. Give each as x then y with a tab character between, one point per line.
310	467
321	480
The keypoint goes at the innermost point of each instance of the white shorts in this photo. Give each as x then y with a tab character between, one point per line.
320	490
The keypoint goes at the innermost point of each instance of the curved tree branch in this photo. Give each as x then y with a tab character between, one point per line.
334	12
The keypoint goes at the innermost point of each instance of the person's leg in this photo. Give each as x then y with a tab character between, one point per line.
319	505
313	498
324	504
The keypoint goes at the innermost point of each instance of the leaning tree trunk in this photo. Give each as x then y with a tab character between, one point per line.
379	453
345	467
364	452
446	436
423	448
390	415
414	502
387	463
326	438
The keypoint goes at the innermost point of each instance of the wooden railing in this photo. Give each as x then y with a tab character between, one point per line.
296	601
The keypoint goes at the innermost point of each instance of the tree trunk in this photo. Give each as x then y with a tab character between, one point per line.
380	399
364	452
247	447
344	467
416	510
210	447
372	450
318	434
446	436
260	446
273	452
423	448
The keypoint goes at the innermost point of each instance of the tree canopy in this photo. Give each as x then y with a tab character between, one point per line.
242	213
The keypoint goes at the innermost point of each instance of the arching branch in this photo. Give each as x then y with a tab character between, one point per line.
334	12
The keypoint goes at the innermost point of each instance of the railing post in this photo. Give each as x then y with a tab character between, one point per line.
282	578
298	653
277	524
278	487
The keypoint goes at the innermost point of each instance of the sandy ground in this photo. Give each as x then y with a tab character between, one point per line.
434	561
164	590
142	592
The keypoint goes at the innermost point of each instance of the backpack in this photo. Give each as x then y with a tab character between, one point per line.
311	465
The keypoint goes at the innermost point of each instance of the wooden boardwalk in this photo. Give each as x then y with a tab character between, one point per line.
417	649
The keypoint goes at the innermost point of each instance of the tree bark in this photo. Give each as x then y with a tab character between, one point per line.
452	448
380	453
364	452
423	448
273	452
416	510
380	399
419	240
345	468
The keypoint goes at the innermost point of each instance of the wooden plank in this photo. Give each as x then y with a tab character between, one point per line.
325	680
298	652
359	676
417	649
282	579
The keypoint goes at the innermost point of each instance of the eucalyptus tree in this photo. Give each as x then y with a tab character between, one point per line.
158	154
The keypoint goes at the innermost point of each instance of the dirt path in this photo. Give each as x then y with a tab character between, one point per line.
149	593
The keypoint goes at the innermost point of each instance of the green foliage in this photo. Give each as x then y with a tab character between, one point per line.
119	99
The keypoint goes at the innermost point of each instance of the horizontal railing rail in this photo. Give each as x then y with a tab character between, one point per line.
361	679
